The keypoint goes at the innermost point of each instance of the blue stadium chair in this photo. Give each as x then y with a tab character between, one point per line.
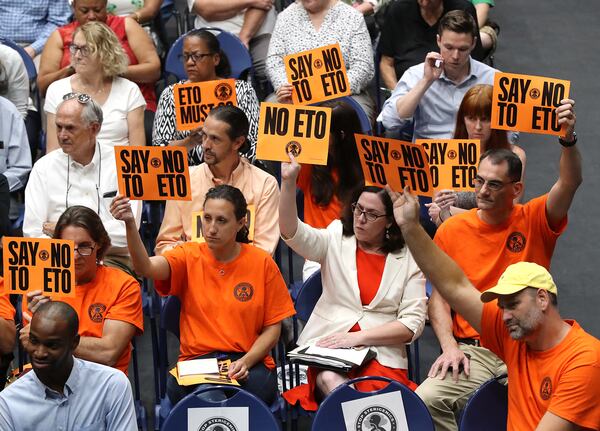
237	54
330	416
140	410
487	408
260	418
365	122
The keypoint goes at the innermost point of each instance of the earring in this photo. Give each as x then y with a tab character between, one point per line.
387	233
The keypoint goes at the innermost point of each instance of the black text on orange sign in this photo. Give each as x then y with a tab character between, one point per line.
191	108
464	174
170	183
22	255
306	123
332	80
514	92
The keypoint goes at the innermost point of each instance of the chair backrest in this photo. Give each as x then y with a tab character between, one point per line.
237	54
309	294
29	64
330	416
169	316
259	415
365	122
487	408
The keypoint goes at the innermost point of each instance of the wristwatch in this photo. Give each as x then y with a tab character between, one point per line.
567	144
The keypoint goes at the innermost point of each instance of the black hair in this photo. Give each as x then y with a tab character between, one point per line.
393	240
234	196
85	218
223	69
62	311
499	155
343	158
236	120
458	21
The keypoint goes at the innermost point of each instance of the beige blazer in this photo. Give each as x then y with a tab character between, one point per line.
401	295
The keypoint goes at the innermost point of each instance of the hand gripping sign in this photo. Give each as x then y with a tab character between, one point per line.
193	101
527	103
317	75
452	162
153	173
39	264
301	130
397	163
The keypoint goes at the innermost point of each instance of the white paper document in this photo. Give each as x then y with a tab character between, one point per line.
198	366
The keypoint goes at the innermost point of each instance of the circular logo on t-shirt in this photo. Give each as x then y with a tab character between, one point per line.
217	424
243	292
96	312
546	388
516	242
376	418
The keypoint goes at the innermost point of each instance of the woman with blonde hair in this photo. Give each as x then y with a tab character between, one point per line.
473	121
99	59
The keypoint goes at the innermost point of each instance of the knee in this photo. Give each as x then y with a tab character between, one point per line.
431	395
327	381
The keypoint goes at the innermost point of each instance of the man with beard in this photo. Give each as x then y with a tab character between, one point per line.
224	136
484	242
63	392
553	364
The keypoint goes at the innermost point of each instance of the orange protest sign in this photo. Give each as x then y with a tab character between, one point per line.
39	264
452	163
317	75
527	103
194	100
301	130
153	173
197	224
397	163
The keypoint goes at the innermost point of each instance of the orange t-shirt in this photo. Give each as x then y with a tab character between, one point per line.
7	311
316	215
484	251
224	306
111	295
564	380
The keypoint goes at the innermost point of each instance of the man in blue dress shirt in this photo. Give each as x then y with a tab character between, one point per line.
65	393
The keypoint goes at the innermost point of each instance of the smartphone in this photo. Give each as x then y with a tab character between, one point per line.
110	194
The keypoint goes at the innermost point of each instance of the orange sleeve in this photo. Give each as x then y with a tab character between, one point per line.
128	305
576	396
493	332
303	181
7	311
278	303
538	206
177	259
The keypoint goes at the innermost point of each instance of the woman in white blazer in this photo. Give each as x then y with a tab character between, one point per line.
373	291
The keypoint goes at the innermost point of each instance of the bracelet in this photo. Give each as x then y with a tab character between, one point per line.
568	144
440	216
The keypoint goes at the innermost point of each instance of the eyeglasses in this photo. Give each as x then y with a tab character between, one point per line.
491	184
194	56
358	211
83	50
81	97
85	250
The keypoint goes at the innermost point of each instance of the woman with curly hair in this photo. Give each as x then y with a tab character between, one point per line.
99	59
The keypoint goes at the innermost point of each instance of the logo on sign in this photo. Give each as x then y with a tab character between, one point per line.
223	91
243	292
534	93
44	255
217	424
293	147
376	418
155	162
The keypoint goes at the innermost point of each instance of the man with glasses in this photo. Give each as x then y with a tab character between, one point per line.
484	242
82	172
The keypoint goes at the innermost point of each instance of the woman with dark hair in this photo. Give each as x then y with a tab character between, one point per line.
328	188
204	61
373	291
108	301
473	122
233	297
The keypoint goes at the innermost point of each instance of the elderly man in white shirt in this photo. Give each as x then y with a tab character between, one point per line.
83	172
